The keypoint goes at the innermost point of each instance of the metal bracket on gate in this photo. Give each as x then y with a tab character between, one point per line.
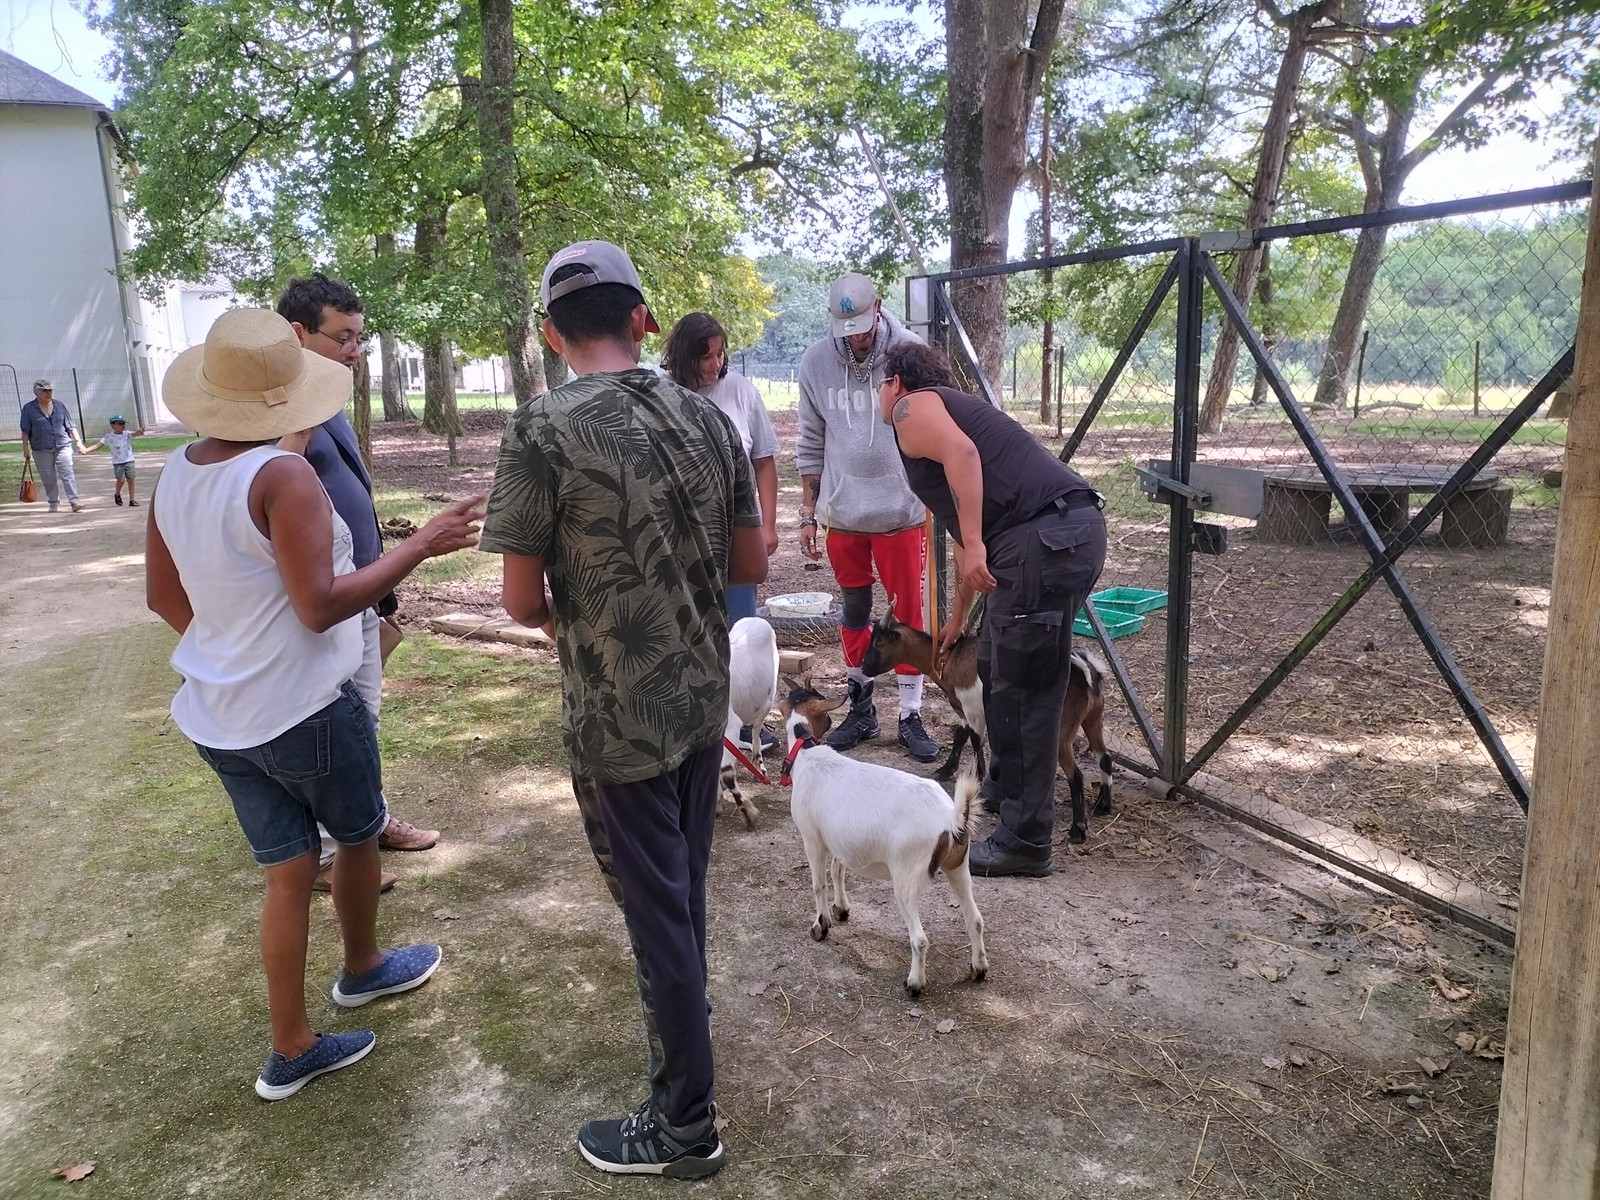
1155	482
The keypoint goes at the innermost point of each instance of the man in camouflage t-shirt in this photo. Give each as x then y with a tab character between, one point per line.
633	497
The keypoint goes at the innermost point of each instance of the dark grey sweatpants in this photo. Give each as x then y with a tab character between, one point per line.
652	840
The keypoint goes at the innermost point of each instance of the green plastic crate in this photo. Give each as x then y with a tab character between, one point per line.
1118	624
1128	600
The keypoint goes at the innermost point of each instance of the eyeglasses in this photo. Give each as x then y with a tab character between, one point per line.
346	340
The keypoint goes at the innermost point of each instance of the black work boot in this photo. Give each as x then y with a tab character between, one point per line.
861	723
986	858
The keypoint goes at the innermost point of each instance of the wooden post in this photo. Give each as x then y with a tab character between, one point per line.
1477	362
1550	1091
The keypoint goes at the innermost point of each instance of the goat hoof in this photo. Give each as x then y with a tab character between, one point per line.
819	931
977	974
841	915
1077	836
943	775
913	990
1103	809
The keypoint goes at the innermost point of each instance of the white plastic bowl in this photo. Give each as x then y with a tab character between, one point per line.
800	604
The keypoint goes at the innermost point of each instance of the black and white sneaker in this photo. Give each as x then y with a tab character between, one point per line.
916	739
769	741
643	1144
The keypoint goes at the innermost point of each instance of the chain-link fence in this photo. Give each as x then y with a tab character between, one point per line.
90	396
1347	541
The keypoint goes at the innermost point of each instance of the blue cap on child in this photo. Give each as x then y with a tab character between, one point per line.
119	420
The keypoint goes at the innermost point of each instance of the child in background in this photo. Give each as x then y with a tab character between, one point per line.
121	443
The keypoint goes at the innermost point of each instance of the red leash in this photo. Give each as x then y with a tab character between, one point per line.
728	745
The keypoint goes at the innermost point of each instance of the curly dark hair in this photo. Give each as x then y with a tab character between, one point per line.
918	366
305	298
686	344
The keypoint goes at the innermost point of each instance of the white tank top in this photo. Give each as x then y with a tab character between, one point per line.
250	669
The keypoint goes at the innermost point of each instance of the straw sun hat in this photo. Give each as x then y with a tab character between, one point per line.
252	381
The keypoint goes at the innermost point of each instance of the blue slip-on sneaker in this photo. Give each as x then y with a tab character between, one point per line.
283	1077
400	971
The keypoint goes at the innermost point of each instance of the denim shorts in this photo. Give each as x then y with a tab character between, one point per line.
324	769
122	470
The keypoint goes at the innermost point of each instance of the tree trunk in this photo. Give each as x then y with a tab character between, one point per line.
555	367
995	67
1269	336
502	205
395	407
439	414
1263	200
438	357
363	407
1386	180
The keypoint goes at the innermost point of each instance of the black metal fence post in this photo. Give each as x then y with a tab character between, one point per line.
1180	564
78	395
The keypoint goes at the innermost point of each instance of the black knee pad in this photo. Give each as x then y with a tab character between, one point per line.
857	603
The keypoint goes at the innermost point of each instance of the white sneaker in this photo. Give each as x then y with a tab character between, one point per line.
53	508
76	507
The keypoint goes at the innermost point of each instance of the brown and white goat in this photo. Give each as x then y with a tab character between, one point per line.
881	823
894	642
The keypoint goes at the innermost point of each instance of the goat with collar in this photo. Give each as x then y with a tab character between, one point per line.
879	822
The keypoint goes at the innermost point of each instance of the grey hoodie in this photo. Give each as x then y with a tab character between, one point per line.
843	438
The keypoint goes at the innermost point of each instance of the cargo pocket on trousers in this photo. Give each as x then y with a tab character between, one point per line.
299	755
1027	648
1067	562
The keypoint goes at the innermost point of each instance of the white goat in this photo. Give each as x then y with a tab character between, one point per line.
881	823
752	690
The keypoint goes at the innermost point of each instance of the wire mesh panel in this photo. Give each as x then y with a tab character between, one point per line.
1465	317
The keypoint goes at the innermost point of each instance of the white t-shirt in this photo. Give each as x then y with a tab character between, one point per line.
121	446
736	397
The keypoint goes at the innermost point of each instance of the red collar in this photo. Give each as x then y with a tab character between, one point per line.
800	743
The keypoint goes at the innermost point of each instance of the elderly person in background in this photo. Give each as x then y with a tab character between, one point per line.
49	434
1029	532
249	562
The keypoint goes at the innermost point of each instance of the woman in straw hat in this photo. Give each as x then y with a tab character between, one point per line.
247	560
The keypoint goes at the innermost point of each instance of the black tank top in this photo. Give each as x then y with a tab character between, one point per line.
1020	477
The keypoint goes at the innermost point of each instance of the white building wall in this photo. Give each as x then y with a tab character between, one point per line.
60	307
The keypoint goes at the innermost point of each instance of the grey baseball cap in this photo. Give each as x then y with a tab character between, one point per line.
851	302
43	385
604	262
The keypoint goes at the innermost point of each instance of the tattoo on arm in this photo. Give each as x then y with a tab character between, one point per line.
902	409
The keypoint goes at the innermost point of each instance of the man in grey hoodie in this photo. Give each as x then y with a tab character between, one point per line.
853	485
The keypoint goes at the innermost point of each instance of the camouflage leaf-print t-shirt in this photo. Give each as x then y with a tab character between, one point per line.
629	487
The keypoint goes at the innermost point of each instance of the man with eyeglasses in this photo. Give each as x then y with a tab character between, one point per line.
48	431
327	316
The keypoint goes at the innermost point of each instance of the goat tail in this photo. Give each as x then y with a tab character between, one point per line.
951	850
1093	668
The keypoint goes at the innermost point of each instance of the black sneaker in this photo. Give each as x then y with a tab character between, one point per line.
769	741
861	723
985	858
642	1144
117	496
916	739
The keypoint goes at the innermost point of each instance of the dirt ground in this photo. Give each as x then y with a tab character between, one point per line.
1181	1010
